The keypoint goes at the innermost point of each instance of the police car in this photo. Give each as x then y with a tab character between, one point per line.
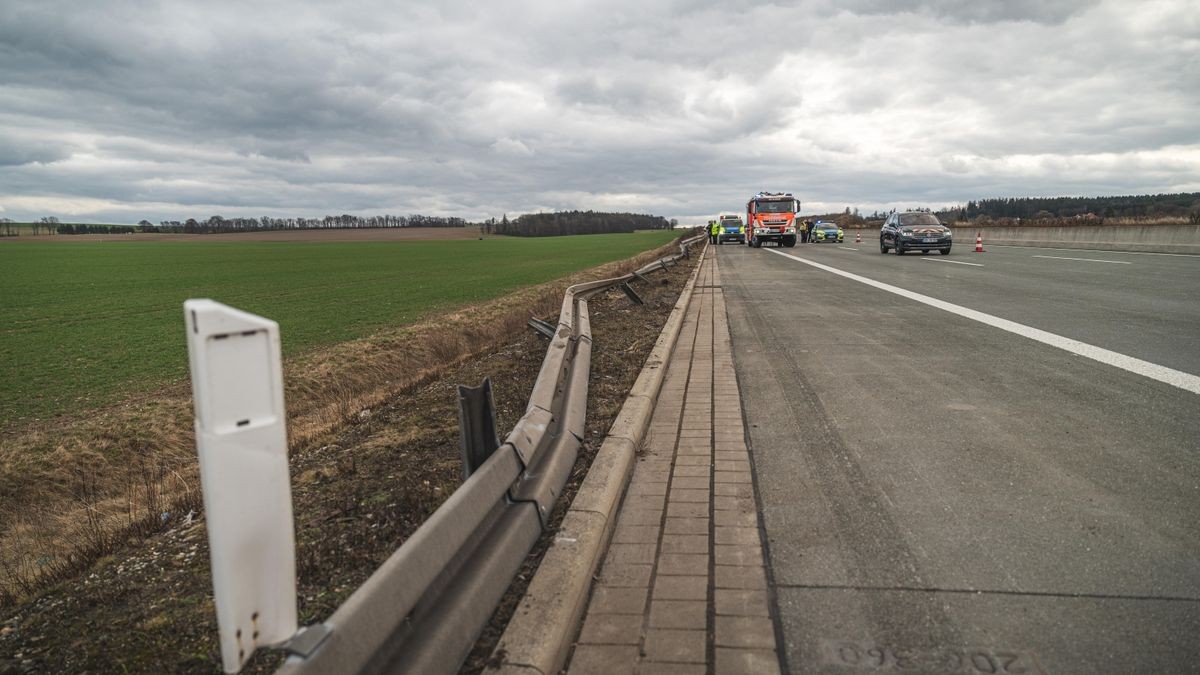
731	229
823	231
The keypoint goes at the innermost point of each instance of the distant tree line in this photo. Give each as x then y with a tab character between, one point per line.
1184	204
84	228
219	224
51	225
529	225
575	222
848	218
1070	210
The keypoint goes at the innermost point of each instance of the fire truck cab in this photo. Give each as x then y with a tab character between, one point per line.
771	216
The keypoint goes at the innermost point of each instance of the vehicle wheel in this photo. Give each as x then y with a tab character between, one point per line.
789	241
945	251
925	252
882	247
899	250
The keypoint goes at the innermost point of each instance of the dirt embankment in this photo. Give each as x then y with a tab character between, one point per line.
364	475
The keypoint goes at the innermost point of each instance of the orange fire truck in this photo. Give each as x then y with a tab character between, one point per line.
771	216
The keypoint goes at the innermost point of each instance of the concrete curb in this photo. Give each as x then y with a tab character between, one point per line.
539	635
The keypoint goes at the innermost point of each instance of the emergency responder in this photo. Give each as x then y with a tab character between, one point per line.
805	228
714	229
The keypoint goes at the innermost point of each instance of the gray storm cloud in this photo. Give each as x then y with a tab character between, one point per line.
131	110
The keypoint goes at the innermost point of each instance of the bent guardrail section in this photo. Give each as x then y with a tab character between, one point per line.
425	606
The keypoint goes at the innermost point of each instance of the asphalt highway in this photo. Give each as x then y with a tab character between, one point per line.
976	463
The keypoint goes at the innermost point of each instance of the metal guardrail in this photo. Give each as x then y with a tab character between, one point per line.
424	608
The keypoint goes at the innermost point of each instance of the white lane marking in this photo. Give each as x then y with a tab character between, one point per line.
1175	378
1096	250
847	248
1111	262
956	262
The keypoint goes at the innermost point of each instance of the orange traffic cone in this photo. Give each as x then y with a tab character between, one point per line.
979	242
858	237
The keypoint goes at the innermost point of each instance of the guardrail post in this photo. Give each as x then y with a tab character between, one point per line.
241	438
545	329
476	425
632	294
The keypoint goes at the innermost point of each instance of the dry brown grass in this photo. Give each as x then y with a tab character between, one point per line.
73	490
1154	220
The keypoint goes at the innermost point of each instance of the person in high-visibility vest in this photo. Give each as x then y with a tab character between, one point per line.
714	229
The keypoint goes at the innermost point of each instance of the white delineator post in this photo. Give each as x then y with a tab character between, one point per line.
241	438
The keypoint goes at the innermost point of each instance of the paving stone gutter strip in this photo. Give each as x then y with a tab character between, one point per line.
539	636
683	587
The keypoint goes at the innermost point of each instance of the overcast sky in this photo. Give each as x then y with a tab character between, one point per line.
114	111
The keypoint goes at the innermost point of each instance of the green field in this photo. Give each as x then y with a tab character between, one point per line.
83	324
